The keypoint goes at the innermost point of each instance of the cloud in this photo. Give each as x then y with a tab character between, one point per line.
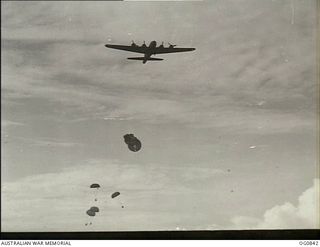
257	76
48	142
252	72
305	215
117	118
58	201
43	143
8	123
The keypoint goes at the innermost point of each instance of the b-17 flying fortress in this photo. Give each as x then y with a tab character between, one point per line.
148	51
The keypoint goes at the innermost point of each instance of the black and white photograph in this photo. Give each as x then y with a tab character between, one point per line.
121	116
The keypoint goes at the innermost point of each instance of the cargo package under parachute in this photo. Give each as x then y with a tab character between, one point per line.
133	142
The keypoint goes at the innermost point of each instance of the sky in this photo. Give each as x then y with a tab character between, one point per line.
228	131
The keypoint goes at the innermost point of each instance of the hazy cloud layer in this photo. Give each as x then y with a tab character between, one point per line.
250	53
216	124
58	201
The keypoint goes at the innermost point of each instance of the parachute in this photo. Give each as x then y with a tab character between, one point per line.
94	186
94	209
91	213
133	143
115	194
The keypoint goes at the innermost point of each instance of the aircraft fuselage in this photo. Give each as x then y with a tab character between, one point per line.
150	51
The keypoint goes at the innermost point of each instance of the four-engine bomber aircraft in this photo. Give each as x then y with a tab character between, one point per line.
148	51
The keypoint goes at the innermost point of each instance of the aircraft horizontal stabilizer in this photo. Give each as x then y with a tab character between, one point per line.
142	58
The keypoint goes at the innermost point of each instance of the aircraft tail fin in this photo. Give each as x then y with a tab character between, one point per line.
142	58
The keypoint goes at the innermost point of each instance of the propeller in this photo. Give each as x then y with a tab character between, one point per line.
171	45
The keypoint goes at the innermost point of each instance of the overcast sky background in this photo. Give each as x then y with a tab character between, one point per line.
228	131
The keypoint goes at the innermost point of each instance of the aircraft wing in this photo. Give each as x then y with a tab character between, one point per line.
162	50
137	49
